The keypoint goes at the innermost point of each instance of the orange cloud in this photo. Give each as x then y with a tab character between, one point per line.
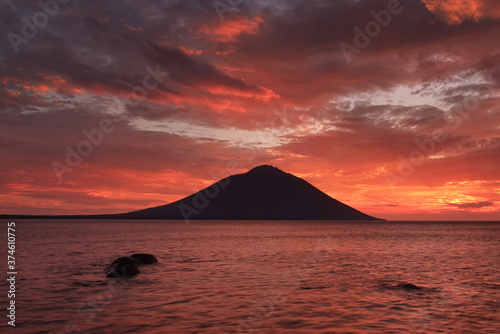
457	11
228	30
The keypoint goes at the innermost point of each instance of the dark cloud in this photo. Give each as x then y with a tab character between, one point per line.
472	205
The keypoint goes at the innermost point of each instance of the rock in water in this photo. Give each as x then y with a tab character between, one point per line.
144	258
127	266
122	267
409	286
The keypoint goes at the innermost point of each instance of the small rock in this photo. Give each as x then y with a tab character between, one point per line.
122	267
409	286
142	258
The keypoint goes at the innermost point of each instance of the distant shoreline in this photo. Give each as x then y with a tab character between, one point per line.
104	217
117	217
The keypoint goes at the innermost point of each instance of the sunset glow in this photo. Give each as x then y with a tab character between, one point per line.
184	95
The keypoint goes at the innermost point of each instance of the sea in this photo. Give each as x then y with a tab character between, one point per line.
255	277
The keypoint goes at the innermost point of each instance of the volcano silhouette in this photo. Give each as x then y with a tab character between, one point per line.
263	193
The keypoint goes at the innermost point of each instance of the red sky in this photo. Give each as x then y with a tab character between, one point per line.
405	126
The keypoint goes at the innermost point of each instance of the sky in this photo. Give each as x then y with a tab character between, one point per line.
392	107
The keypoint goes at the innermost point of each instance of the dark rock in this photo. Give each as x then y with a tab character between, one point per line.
122	267
409	286
127	266
144	258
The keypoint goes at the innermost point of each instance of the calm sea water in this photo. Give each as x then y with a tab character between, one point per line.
257	277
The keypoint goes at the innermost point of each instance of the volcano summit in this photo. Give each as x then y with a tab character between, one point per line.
263	193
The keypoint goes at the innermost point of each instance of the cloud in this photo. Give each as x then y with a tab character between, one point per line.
457	11
229	30
472	205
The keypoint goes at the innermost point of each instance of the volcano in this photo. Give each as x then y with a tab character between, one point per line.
263	193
